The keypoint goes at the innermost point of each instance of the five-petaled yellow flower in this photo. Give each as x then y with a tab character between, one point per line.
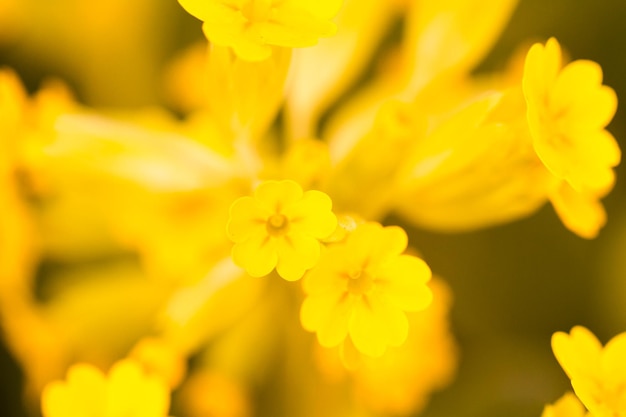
126	392
568	109
280	227
252	27
598	374
363	287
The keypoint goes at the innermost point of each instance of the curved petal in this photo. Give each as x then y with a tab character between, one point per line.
328	315
403	282
257	255
614	361
277	196
57	401
83	393
131	392
313	214
578	353
296	254
246	218
328	274
580	213
374	325
541	68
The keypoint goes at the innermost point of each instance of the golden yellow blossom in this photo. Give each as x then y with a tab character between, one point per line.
567	406
363	287
598	373
252	27
125	392
568	110
280	228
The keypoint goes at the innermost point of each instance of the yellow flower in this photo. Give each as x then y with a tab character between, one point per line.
567	406
363	287
252	27
280	228
568	109
598	373
125	392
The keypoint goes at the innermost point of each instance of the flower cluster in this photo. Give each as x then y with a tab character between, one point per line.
169	234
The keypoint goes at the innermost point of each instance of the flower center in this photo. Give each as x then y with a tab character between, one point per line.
277	225
360	282
257	10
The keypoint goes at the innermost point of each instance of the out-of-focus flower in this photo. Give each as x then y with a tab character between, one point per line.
566	406
280	227
363	287
401	381
598	373
252	27
160	358
568	110
213	394
25	125
125	392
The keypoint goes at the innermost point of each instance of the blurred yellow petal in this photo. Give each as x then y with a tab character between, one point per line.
450	37
251	27
329	315
296	254
360	25
582	214
476	168
566	406
323	223
374	325
401	280
257	254
246	218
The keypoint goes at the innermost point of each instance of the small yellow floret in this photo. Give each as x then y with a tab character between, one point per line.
252	27
363	287
598	373
126	392
280	227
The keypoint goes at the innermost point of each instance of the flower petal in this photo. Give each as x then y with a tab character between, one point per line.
257	255
328	315
313	214
403	282
246	217
374	325
296	254
277	196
